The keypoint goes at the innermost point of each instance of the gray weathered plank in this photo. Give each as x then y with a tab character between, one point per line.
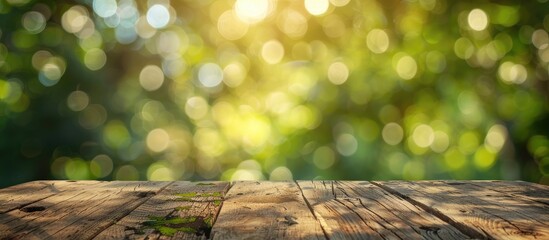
18	196
169	205
77	214
266	210
360	210
477	210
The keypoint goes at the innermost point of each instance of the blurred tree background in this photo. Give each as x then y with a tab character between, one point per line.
267	89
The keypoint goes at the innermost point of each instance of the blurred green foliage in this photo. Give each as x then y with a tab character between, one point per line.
266	89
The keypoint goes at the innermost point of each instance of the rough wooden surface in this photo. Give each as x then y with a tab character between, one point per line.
180	200
24	194
477	210
81	213
275	210
361	210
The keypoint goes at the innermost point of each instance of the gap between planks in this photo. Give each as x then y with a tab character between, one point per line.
231	184
388	187
312	210
359	209
471	232
69	190
100	230
181	201
319	219
272	210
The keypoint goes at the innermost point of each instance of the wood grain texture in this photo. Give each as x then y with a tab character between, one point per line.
266	210
360	210
21	195
168	204
477	210
78	214
535	192
275	210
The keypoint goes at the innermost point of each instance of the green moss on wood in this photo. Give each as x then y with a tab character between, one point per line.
168	231
188	196
159	221
170	225
216	194
183	208
208	221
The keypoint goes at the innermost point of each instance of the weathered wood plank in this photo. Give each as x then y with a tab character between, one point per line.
477	210
360	210
78	214
21	195
266	210
181	201
342	210
535	192
17	220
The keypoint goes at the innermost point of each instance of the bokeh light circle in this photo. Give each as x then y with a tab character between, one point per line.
158	16
210	75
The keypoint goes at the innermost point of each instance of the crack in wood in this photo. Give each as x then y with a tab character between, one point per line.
225	191
54	190
33	209
379	216
312	210
360	217
518	229
525	197
471	232
339	209
129	211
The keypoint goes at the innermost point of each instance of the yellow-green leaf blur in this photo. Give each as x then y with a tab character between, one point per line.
274	89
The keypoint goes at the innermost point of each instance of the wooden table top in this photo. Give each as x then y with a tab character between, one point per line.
275	210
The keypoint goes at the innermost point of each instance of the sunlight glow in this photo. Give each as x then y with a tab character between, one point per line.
406	67
158	16
272	52
510	72
423	135
477	19
495	138
318	89
105	8
151	77
196	108
339	3
158	140
317	7
252	11
210	75
338	73
292	23
231	27
378	41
